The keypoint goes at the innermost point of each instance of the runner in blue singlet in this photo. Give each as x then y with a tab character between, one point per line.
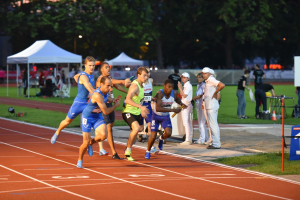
85	87
89	119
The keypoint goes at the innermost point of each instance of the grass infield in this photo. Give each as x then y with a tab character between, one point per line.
267	163
227	112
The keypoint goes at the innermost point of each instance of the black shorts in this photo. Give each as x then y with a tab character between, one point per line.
110	118
130	118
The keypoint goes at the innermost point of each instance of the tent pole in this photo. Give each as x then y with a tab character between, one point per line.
28	92
17	80
68	75
7	79
80	65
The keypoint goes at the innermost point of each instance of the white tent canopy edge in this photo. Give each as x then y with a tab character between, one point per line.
42	51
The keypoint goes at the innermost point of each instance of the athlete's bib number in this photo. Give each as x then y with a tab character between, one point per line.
84	121
147	98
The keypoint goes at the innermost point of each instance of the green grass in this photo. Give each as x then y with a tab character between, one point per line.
43	117
227	112
267	163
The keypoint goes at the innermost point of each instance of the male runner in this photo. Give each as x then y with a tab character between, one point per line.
110	118
91	119
85	86
133	110
164	100
148	87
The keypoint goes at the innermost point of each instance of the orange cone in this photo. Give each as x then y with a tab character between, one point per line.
274	116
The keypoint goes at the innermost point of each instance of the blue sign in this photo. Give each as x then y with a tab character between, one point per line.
295	143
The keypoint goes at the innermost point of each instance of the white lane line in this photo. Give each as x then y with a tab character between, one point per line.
48	169
205	171
135	172
219	174
44	182
169	193
263	175
172	172
16	156
60	174
32	164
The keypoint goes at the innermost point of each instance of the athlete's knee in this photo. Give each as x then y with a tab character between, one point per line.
153	135
168	133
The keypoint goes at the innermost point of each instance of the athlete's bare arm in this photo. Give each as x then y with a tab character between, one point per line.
120	88
76	77
99	99
85	81
134	90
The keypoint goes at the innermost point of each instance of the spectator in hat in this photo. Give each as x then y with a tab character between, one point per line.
212	87
186	93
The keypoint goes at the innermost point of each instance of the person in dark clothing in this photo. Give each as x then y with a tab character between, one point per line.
175	78
258	76
241	96
25	81
260	95
298	108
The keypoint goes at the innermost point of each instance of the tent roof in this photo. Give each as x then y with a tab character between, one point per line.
123	59
44	51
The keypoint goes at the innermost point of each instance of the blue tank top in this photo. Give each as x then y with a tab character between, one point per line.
91	106
83	93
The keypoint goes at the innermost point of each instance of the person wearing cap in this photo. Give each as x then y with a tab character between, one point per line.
212	87
187	94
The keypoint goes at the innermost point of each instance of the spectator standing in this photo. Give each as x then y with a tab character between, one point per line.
63	77
175	78
25	81
200	112
71	76
241	95
298	108
212	87
2	76
258	76
260	95
187	94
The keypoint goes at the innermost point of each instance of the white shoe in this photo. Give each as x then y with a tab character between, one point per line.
186	143
103	152
154	150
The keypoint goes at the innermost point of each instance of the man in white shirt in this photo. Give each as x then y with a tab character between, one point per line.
187	95
212	87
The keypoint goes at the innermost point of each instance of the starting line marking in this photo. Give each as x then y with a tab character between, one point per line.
70	177
150	175
44	182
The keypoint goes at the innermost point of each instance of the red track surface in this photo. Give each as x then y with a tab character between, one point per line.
33	168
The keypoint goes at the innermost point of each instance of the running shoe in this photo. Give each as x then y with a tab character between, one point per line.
147	155
198	142
90	150
160	144
128	155
79	164
54	138
103	152
153	150
116	156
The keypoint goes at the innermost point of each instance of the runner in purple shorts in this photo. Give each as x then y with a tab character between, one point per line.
160	116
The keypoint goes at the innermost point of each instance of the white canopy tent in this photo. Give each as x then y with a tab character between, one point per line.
42	51
123	59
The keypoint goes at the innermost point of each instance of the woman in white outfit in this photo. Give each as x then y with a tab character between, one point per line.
200	112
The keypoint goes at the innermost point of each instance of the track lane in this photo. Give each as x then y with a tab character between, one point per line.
161	161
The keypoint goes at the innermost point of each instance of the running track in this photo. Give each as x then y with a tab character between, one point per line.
32	168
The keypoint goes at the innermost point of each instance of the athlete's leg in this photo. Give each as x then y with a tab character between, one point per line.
110	138
64	124
84	145
151	140
135	126
167	133
100	134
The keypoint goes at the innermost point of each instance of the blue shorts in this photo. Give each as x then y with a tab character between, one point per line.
149	116
77	107
165	122
94	120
